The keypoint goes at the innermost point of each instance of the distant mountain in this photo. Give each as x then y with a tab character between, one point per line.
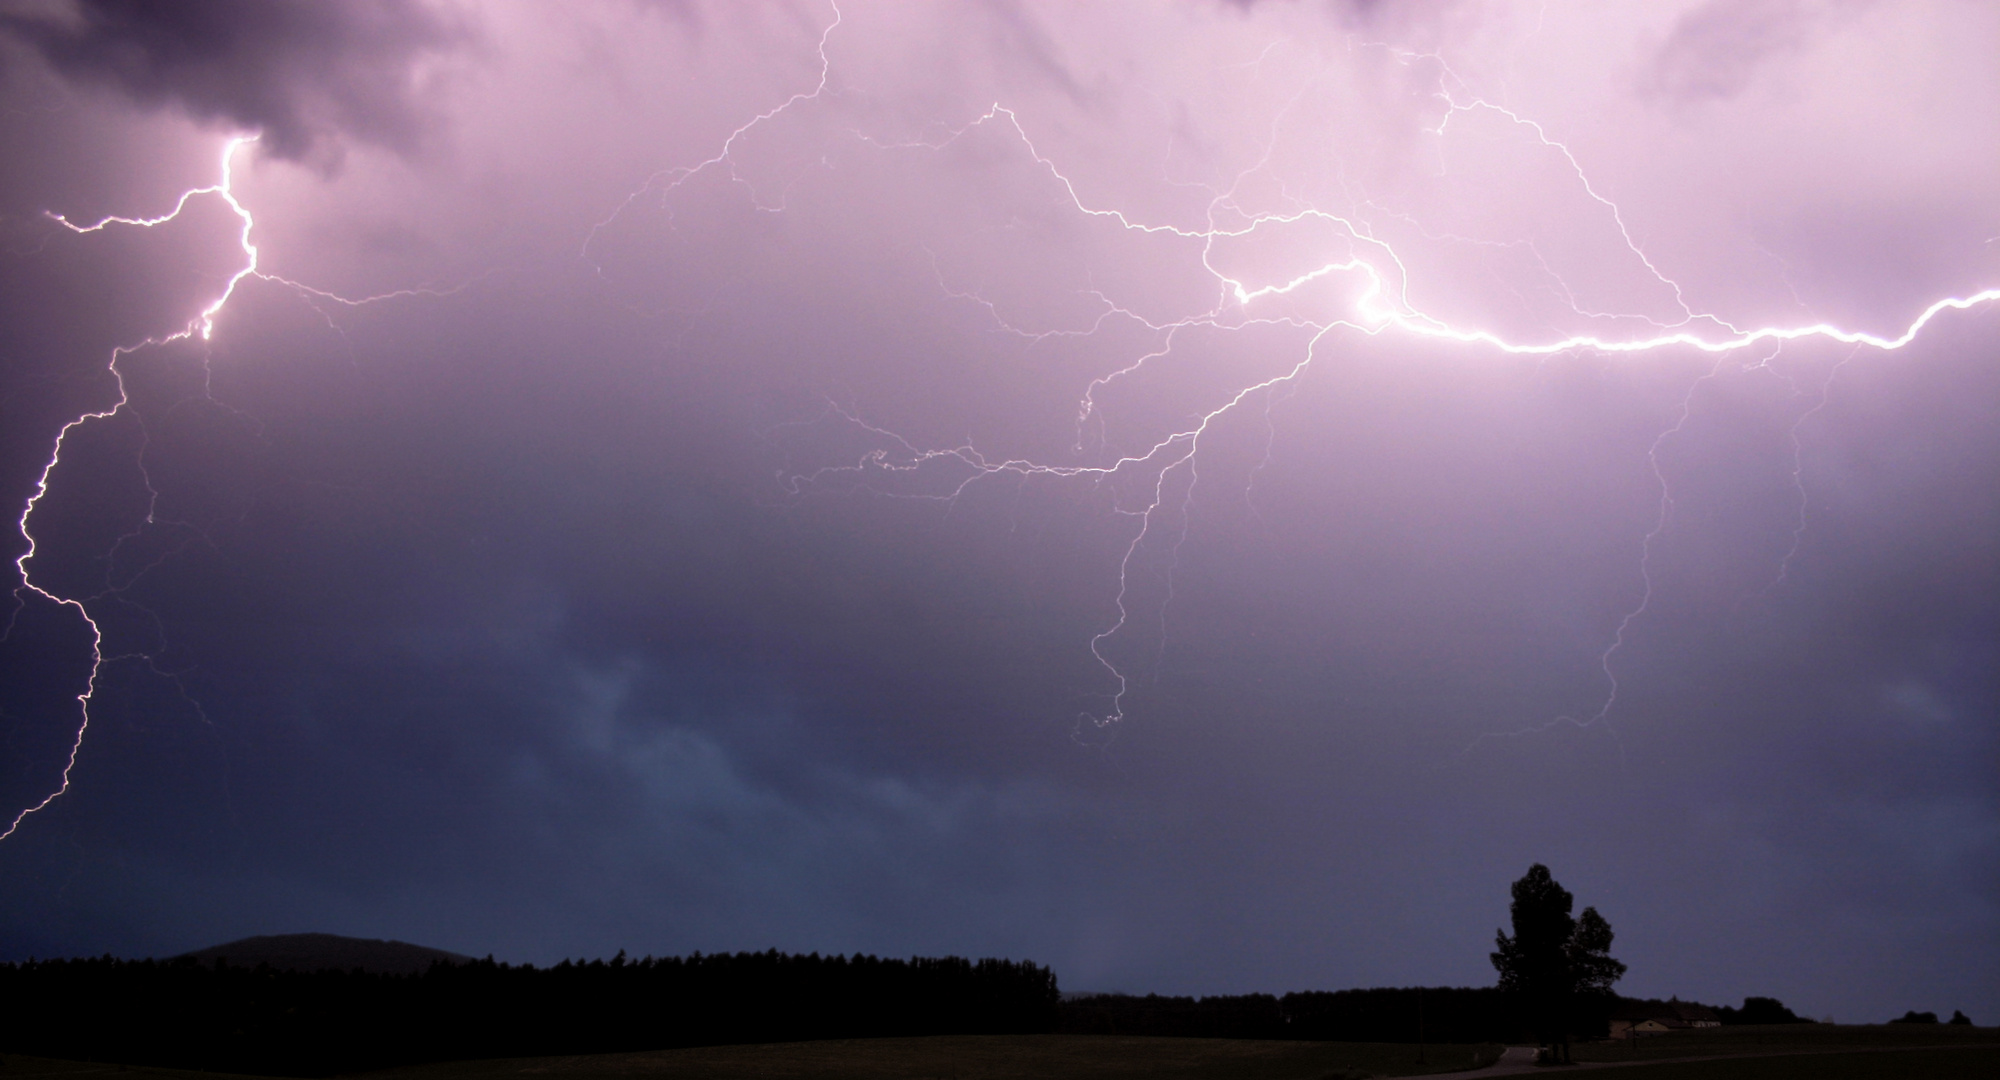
319	952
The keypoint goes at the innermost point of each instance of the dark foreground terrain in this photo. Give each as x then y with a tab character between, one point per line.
1801	1052
184	1014
1804	1052
943	1057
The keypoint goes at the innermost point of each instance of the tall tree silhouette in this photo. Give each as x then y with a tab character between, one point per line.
1551	957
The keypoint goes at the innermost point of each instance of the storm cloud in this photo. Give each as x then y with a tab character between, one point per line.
1018	481
302	74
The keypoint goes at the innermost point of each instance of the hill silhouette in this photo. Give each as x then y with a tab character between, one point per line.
327	952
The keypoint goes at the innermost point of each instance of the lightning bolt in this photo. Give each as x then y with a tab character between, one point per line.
1798	467
678	175
199	327
202	325
1383	305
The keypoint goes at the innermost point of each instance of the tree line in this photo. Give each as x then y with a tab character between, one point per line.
1555	977
223	1018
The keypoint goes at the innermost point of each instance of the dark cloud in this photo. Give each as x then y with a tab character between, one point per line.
300	72
506	617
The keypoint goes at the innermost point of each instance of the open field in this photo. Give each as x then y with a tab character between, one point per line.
964	1057
1958	1063
1788	1038
23	1067
1799	1052
984	1057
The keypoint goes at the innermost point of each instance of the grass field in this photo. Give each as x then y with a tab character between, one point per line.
985	1057
1799	1052
952	1057
1806	1052
1788	1038
1958	1063
23	1067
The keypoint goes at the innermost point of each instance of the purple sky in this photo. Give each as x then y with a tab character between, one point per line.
697	476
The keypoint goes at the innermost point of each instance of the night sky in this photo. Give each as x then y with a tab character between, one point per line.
687	476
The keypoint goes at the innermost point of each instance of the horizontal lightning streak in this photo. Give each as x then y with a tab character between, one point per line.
1383	304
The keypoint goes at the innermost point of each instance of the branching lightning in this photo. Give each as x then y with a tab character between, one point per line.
1798	468
200	327
1382	305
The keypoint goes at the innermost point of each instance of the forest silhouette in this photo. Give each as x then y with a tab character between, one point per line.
377	1004
185	1013
190	1013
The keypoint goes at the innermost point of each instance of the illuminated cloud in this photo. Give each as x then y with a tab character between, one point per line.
1200	495
1716	50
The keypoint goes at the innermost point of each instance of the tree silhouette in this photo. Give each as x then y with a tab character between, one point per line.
1551	957
1591	968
